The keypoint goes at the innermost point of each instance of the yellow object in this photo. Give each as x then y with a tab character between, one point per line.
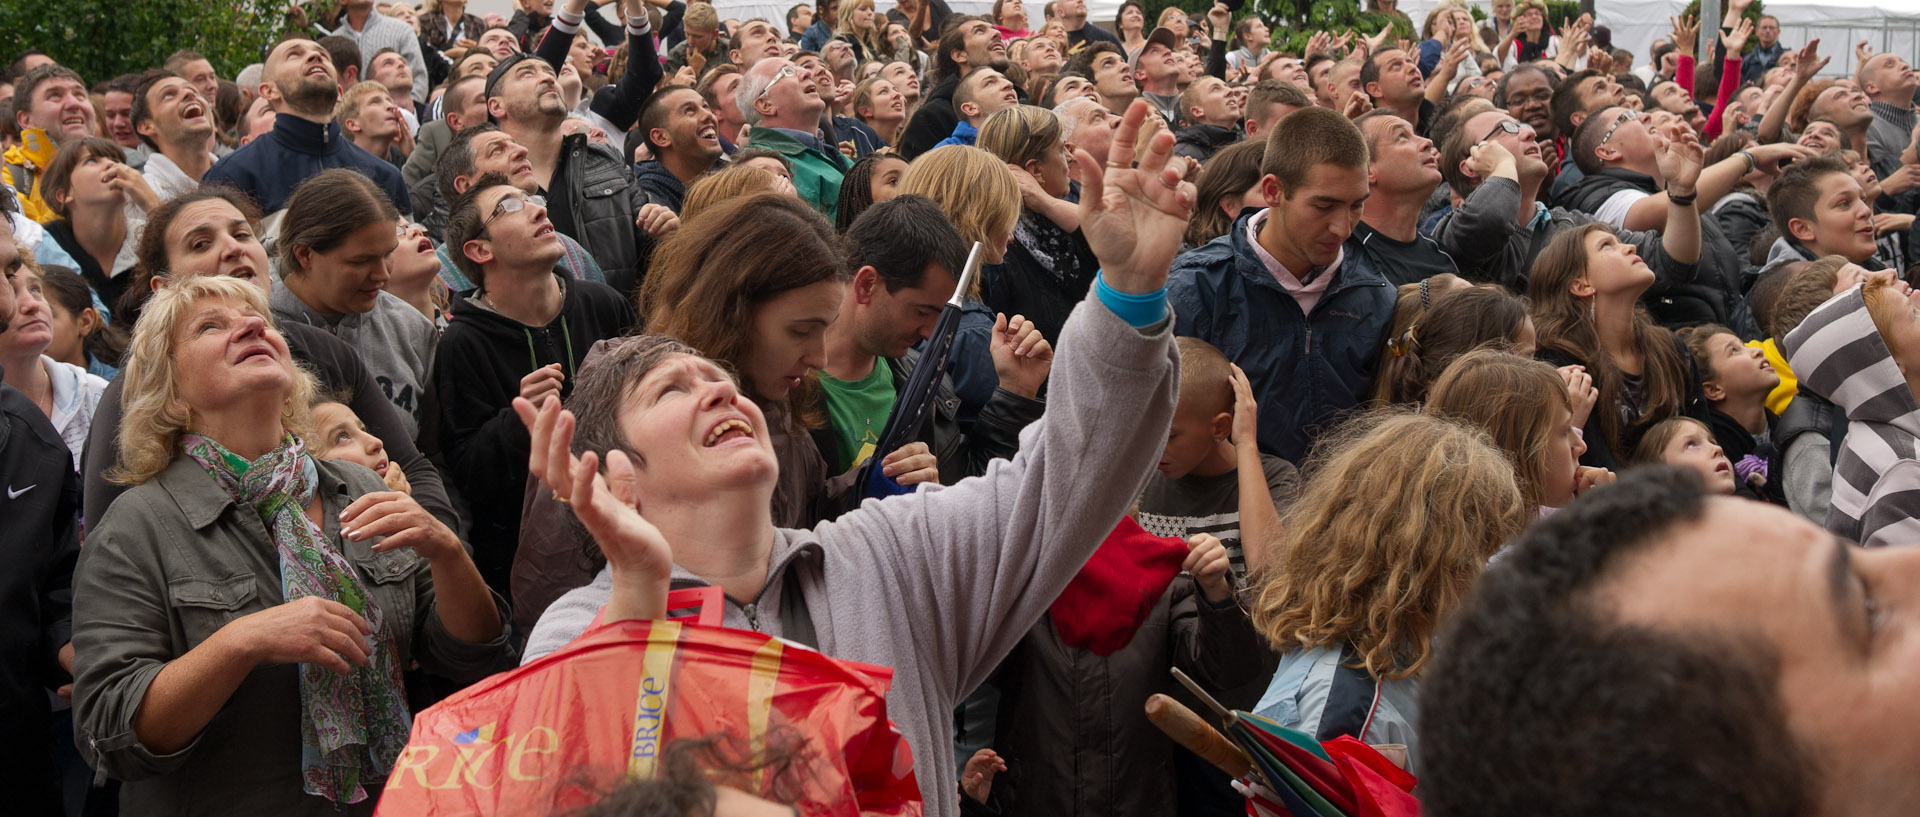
30	158
1782	394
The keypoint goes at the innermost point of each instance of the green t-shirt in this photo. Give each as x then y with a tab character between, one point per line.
859	411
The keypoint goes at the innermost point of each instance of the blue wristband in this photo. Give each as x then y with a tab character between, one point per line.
1137	310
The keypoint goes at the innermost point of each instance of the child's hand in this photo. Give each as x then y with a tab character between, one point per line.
1246	410
1581	393
1207	564
911	464
1589	478
977	779
396	479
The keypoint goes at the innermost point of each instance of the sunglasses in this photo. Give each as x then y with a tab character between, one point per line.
1624	116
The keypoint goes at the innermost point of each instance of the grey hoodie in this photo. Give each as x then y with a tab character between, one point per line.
394	340
1838	354
940	584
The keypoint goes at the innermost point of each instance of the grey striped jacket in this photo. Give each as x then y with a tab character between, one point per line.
1838	354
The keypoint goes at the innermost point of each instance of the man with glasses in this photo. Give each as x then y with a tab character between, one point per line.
783	104
1627	159
521	332
478	150
1494	166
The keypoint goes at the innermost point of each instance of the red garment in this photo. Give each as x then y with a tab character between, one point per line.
1112	595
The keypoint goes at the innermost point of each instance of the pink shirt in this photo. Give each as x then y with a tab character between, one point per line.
1306	294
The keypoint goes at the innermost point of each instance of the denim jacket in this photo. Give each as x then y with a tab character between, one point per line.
173	561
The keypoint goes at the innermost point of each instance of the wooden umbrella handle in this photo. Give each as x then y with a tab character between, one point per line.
1187	729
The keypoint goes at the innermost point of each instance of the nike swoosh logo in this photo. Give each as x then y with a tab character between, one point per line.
13	494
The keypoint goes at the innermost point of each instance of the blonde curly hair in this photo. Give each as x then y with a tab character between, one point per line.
1401	512
153	414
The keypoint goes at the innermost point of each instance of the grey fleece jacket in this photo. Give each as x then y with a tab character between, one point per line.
394	340
940	584
1838	354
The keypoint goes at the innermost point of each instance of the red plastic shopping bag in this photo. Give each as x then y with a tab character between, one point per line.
562	731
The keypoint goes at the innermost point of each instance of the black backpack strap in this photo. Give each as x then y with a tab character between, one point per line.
1350	701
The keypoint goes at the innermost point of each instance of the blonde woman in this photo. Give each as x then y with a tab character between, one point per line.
1400	513
980	195
858	29
1447	26
243	613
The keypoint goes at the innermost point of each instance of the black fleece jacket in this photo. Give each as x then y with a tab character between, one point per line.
476	373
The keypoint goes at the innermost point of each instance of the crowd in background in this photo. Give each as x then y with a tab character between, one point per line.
1525	403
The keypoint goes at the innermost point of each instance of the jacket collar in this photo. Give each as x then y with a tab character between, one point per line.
305	136
1355	268
202	501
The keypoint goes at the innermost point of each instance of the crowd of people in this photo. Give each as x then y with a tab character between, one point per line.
432	341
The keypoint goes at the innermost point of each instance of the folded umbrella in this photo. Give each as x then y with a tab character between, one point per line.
914	404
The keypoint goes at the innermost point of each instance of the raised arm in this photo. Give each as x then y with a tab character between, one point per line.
1809	64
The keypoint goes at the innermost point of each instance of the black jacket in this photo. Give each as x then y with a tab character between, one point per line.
338	367
1046	273
932	123
109	286
1200	142
1738	443
1713	296
476	373
660	185
40	541
602	204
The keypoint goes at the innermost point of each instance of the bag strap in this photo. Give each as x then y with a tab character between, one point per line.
796	621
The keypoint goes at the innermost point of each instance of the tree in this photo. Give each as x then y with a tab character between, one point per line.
101	39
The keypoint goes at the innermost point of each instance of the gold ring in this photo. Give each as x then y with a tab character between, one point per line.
1119	165
560	499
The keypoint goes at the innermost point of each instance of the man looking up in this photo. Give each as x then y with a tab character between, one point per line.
684	137
971	43
1072	15
1156	73
174	122
719	88
50	107
523	96
197	70
1089	126
299	83
1113	83
1582	95
1890	82
1296	266
983	92
374	32
755	40
1403	169
370	119
1212	113
481	149
390	69
463	105
1494	167
520	333
1392	80
783	104
904	252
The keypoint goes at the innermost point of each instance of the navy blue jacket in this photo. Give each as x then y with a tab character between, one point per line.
270	167
660	185
1306	370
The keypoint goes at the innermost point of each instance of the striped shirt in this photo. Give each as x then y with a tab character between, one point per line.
1839	355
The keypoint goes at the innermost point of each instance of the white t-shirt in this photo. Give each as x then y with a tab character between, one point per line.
1614	210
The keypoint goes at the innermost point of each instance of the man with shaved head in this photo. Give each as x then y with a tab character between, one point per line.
299	82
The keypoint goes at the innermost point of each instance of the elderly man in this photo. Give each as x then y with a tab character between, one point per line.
301	87
1890	82
782	102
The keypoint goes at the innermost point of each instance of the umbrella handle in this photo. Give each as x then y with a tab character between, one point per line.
1187	729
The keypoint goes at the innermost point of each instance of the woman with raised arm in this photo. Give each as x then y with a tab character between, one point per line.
938	585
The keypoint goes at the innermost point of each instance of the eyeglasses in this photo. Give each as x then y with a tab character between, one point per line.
1504	126
1624	116
512	204
790	70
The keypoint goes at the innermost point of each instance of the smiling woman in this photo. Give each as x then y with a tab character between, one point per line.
335	249
263	662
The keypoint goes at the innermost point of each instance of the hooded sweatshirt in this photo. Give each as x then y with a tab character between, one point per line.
476	374
1840	355
394	339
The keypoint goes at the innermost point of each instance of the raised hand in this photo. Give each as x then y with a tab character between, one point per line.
1021	357
608	506
1490	158
1134	217
1320	43
1862	51
1357	105
1375	42
1736	39
1809	62
1246	410
1679	158
1581	393
1221	19
1600	59
1686	31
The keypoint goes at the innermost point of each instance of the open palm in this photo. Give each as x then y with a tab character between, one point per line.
1133	217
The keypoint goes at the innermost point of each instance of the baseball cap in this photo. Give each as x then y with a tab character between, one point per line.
1160	36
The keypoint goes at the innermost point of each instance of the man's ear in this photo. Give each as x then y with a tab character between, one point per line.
478	250
1222	425
661	137
497	107
1372	89
1576	118
1800	229
866	284
1270	189
968	110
